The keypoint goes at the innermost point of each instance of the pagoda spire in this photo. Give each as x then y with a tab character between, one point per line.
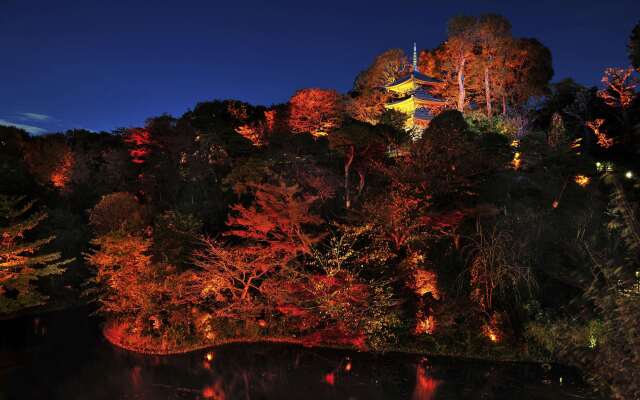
415	58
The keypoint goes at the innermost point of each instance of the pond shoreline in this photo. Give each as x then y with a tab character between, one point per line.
110	333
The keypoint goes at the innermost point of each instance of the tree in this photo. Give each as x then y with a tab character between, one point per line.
402	217
634	47
50	160
534	70
369	95
124	273
385	69
231	275
497	268
458	50
358	140
21	262
368	105
619	87
279	226
117	211
315	111
494	39
276	221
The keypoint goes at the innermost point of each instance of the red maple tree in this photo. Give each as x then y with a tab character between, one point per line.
316	111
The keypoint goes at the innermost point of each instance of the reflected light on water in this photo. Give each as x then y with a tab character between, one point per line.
136	376
426	386
330	378
214	392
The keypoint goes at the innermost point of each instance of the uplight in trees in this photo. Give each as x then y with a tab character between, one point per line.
517	160
425	326
628	174
582	180
492	334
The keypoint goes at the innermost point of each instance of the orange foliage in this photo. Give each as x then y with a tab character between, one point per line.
582	180
321	300
316	111
276	219
426	282
619	87
603	140
400	216
492	329
61	175
254	133
368	106
123	266
238	110
139	141
425	325
517	161
230	274
270	120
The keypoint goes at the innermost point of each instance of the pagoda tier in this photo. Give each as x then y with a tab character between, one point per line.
419	107
412	82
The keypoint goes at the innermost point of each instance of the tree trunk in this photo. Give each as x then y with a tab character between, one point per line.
350	155
361	181
504	105
461	92
487	91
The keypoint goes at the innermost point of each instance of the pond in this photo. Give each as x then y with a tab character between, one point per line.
63	356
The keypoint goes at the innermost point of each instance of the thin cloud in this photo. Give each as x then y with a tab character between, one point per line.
34	130
35	116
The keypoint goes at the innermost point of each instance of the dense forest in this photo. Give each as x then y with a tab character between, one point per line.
507	229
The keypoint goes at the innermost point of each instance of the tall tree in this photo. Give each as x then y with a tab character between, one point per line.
494	39
634	47
459	50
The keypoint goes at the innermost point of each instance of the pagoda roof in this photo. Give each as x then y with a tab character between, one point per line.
423	95
400	101
417	76
423	114
419	98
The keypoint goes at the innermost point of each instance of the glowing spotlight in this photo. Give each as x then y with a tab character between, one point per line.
582	180
628	175
209	356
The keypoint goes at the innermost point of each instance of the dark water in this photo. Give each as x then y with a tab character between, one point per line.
62	356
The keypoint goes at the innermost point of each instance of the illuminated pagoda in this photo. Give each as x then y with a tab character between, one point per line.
412	95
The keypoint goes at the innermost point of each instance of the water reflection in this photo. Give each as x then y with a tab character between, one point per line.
426	385
73	362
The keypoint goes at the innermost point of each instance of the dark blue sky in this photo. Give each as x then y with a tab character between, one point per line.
101	64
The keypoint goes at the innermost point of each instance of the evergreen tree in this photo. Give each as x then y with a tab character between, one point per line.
20	261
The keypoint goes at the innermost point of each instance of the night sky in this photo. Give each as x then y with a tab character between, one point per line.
100	65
